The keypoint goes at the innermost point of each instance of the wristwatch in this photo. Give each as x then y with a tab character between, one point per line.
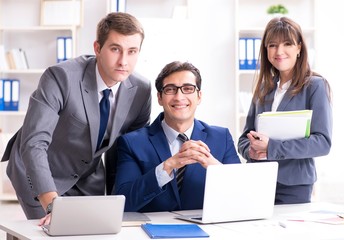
49	208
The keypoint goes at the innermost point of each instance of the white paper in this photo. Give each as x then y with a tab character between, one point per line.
285	125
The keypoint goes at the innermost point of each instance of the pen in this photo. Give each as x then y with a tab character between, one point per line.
282	224
256	137
340	215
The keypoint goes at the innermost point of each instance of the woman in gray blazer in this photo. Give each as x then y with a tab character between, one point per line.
285	83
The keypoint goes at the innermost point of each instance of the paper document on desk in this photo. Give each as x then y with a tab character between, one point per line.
132	219
319	216
285	125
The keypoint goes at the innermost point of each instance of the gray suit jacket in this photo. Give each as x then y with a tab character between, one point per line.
295	157
56	147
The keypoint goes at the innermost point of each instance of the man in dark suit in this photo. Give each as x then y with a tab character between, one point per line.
55	152
150	158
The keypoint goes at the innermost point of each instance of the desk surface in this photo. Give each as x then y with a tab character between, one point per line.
277	227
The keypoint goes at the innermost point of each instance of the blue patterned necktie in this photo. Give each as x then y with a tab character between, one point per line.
104	107
180	173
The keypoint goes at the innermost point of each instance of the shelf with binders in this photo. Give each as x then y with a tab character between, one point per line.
26	84
35	32
248	53
41	51
10	121
40	45
245	93
247	69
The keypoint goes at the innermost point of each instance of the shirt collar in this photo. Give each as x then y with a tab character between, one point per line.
285	86
101	84
172	134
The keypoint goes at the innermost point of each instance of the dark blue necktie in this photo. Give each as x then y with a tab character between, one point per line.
180	173
104	107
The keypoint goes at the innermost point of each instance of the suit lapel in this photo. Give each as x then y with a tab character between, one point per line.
124	98
158	139
90	98
198	133
285	100
270	98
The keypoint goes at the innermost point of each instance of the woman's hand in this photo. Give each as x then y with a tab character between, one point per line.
258	145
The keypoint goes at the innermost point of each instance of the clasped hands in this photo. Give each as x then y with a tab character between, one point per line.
190	152
258	145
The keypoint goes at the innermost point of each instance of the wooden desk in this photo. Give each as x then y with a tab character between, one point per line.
259	229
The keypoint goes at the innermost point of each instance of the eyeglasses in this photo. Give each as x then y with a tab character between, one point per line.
173	89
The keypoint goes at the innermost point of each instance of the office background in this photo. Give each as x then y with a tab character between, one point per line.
204	33
207	39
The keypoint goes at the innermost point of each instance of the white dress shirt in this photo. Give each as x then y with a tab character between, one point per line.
174	144
279	94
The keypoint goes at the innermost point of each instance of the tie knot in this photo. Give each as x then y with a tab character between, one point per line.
182	137
106	93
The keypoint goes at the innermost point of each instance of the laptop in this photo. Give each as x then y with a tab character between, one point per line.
237	192
83	215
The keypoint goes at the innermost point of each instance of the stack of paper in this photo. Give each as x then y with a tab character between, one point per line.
285	125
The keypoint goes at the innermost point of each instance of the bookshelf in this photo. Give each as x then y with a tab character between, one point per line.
21	27
250	20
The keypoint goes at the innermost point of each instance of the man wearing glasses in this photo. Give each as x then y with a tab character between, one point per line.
162	167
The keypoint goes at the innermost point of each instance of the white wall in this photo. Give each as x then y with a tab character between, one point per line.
329	54
207	42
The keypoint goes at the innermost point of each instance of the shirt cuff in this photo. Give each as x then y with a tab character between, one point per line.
162	176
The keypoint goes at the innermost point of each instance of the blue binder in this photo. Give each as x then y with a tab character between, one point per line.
257	43
1	94
250	53
121	5
7	94
10	90
64	48
60	49
242	54
68	48
14	103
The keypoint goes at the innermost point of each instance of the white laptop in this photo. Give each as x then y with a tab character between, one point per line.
237	192
82	215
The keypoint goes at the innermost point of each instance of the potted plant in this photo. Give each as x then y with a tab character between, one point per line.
278	9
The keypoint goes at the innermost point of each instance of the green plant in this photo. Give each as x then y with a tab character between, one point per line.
277	9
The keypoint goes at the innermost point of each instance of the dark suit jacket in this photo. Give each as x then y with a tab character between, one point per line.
295	156
142	150
56	147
